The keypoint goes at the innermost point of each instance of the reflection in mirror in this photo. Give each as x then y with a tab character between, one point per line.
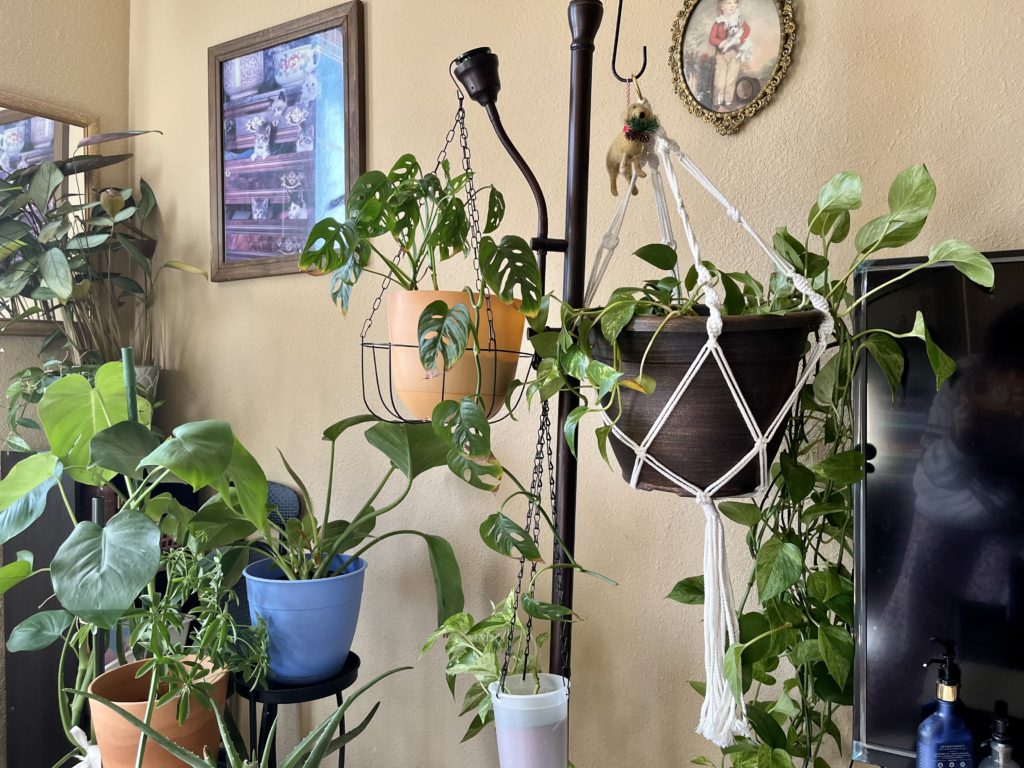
33	133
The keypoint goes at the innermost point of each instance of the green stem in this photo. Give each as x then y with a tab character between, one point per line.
150	706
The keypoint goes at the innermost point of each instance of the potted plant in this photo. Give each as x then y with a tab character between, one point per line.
310	752
106	577
308	590
87	254
796	616
430	218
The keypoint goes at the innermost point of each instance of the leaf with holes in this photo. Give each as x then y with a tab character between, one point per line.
482	472
451	231
443	331
405	169
510	267
504	535
495	211
366	204
463	426
99	572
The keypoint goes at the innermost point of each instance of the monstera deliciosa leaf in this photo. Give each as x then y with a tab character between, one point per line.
99	572
73	412
23	493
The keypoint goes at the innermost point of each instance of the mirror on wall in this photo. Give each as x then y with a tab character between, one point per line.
33	132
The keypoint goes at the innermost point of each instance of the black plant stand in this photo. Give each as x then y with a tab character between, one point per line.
276	694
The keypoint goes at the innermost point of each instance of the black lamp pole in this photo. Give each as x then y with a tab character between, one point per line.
477	70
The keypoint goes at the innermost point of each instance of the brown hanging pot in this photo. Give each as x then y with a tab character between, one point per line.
705	435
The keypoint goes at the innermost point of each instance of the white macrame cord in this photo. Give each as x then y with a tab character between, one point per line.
723	715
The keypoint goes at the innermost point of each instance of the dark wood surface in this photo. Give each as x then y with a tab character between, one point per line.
350	17
706	435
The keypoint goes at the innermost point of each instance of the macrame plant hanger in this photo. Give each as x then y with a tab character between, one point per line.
723	714
370	349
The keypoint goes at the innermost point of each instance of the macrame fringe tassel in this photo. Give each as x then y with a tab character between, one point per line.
722	717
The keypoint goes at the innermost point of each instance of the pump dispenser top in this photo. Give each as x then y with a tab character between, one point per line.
1001	751
948	686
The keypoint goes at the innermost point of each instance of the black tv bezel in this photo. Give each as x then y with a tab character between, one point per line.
863	750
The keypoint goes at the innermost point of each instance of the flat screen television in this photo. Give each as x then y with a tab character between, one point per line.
940	515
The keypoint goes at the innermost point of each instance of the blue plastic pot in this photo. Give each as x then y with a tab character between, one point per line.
310	623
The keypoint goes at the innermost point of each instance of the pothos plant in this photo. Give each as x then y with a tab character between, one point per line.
793	665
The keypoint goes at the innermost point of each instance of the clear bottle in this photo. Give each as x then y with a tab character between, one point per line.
1001	756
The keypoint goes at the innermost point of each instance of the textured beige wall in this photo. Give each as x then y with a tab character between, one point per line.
876	85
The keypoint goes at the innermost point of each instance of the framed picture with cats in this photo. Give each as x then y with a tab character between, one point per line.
287	125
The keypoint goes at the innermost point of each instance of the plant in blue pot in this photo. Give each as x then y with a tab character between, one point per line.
308	589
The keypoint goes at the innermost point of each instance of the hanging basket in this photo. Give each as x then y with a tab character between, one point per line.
532	727
419	389
705	435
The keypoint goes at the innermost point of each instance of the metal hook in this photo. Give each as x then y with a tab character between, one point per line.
615	53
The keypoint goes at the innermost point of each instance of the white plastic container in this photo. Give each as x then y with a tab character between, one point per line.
533	728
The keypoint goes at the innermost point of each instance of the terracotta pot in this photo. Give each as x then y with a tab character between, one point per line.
118	740
420	390
706	436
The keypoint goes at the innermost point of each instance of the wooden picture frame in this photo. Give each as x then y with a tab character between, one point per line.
724	60
281	101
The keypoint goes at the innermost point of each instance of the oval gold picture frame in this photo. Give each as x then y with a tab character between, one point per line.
729	122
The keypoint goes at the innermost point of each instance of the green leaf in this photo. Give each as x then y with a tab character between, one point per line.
87	241
218	525
443	331
99	572
482	472
805	653
837	650
249	482
843	469
943	366
72	412
43	183
24	491
733	669
504	535
447	578
602	376
966	259
121	447
14	573
333	432
755	636
183	266
198	452
769	757
912	194
101	138
572	422
412	448
799	479
615	317
841	193
545	611
886	232
509	267
658	254
495	211
56	274
889	357
768	730
689	591
545	343
463	426
778	567
38	631
366	203
741	512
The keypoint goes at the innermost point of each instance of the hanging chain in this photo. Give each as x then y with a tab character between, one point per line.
474	227
533	520
460	120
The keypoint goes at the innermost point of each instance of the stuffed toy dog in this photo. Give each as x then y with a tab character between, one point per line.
628	152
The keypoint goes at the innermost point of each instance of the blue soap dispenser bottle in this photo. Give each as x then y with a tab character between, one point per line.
943	739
